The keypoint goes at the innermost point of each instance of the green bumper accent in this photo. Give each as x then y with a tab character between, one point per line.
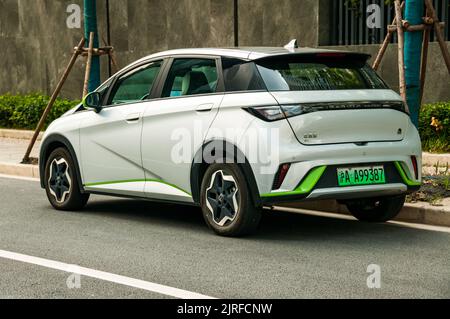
136	181
405	177
305	187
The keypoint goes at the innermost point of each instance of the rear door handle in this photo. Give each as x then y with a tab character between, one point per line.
131	118
205	107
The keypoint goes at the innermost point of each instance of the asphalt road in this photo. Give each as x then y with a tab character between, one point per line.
292	256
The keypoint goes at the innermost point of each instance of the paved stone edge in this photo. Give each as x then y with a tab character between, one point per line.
21	170
19	134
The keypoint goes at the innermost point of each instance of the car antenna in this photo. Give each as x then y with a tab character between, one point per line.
291	46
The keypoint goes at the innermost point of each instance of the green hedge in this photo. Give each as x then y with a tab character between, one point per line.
435	138
24	111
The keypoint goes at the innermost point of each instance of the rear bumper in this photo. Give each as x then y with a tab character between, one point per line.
321	183
304	158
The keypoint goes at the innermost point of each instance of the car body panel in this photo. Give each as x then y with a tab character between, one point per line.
110	147
176	121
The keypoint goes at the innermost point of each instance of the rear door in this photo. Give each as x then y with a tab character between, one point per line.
334	98
176	124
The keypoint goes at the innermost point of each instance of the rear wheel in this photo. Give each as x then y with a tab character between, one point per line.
226	202
61	184
376	210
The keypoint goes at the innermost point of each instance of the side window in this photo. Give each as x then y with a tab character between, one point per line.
136	85
240	75
191	77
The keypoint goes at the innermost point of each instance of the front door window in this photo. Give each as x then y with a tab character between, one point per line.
135	85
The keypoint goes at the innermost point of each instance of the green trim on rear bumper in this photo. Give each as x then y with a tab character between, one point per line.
305	187
405	177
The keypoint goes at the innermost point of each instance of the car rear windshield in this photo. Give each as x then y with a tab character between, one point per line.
326	71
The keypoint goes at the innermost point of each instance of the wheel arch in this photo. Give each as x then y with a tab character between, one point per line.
229	153
51	143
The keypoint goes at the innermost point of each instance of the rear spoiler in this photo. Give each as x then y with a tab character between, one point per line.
325	56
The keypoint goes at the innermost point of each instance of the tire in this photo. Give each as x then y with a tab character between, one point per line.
61	183
376	210
226	202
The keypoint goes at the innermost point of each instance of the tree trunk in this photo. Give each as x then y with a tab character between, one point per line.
90	25
414	11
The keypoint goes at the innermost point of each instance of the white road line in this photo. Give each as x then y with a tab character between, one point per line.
313	213
442	229
30	179
106	276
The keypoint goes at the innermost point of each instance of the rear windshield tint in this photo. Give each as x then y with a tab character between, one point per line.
241	75
319	72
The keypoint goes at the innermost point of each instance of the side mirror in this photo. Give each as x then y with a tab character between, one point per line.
92	101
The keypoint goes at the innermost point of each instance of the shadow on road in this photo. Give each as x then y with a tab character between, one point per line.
275	225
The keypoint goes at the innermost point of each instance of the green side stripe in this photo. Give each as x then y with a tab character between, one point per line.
137	181
405	178
115	182
306	186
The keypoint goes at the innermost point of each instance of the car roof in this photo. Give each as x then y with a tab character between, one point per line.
247	53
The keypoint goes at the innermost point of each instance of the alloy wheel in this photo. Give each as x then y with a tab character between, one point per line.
60	181
222	198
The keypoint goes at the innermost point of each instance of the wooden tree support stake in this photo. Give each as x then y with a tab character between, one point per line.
401	52
424	60
385	44
88	64
439	35
76	53
112	55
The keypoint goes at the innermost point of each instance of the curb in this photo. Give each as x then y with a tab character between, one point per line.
19	134
429	159
21	170
419	213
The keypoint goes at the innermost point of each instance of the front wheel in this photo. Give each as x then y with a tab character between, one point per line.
226	202
376	210
61	184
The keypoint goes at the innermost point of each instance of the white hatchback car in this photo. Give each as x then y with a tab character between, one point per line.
233	130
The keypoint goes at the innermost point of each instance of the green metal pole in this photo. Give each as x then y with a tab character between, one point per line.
414	11
90	25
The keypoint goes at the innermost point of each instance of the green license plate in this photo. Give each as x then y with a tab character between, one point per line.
368	175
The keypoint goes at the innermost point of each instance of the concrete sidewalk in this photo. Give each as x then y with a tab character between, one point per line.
12	151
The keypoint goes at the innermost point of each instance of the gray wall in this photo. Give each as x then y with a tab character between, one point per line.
275	23
437	85
35	43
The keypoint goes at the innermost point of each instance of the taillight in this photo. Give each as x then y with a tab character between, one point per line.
415	166
266	113
279	177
